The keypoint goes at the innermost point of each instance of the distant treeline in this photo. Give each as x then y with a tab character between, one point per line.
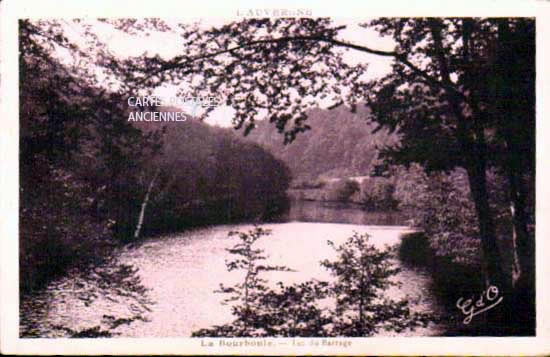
337	159
87	175
372	193
339	144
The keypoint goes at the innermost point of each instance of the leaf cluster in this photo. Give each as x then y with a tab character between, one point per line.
352	305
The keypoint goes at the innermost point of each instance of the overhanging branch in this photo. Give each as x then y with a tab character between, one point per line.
183	62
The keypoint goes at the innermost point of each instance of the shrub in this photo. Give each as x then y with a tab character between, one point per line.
259	311
345	189
415	250
441	206
377	194
362	274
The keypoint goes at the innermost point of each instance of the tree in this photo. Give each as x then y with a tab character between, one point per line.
444	115
345	189
339	144
511	105
377	193
362	274
464	118
441	206
432	99
79	161
254	318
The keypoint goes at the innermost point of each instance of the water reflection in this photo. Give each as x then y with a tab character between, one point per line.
180	272
336	212
90	302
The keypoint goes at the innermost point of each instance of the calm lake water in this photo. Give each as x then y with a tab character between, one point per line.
182	271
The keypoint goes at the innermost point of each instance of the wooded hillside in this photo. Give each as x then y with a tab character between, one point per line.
339	144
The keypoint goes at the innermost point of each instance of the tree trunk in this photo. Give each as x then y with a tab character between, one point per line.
516	164
497	321
514	112
471	137
491	254
144	205
519	220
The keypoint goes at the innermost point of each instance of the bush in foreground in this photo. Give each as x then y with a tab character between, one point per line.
355	300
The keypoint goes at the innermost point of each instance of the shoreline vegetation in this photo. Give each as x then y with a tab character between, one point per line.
91	181
374	194
451	281
353	304
445	247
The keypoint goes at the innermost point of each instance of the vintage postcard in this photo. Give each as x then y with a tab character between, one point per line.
285	179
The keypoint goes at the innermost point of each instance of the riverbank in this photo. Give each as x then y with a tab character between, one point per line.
183	270
342	212
452	282
46	257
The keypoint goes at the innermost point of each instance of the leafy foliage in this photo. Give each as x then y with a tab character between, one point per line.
281	68
89	286
378	193
79	163
444	105
253	316
288	74
443	209
85	170
432	97
209	175
346	189
441	205
339	144
362	275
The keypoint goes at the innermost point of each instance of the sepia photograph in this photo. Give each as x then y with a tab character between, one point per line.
276	178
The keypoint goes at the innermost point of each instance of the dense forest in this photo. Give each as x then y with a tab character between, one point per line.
91	180
211	175
339	144
455	151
